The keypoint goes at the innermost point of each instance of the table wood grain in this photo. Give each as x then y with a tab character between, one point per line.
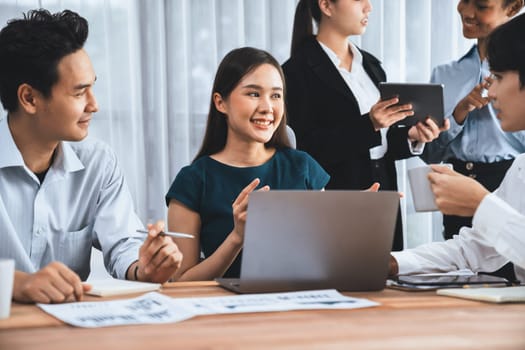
404	320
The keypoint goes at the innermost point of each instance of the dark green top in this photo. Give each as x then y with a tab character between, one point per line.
209	188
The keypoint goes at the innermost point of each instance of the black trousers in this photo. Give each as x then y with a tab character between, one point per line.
379	174
489	175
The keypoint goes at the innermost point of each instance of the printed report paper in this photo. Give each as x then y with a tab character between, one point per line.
266	302
149	308
154	307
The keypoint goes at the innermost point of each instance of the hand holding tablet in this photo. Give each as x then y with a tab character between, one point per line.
426	100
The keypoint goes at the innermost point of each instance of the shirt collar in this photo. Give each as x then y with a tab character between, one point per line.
357	56
65	160
10	155
472	54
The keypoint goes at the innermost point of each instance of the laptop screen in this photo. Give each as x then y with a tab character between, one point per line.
318	239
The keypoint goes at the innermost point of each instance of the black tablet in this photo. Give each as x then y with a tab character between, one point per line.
452	280
426	100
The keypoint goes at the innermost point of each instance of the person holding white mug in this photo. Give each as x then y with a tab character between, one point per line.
424	199
497	236
475	144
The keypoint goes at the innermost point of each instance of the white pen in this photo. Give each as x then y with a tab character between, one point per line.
168	233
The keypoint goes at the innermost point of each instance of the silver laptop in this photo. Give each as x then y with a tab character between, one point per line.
296	240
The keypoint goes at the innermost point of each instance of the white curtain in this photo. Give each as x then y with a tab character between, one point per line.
156	59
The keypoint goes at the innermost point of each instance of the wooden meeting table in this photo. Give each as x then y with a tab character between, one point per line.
404	320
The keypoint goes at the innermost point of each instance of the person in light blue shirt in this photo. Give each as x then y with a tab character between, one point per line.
59	195
475	144
497	238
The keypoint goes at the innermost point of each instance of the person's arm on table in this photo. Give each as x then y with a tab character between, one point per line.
55	283
468	250
455	194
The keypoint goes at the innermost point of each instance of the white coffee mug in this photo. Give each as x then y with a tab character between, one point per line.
7	276
424	199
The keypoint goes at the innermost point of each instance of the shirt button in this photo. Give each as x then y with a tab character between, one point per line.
469	166
472	176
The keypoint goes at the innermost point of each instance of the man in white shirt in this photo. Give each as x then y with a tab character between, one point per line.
497	236
59	195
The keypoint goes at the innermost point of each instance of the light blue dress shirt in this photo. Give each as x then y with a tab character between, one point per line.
480	137
82	202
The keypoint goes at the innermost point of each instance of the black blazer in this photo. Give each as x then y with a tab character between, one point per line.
325	116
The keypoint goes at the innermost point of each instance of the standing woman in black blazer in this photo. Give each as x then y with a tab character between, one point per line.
333	101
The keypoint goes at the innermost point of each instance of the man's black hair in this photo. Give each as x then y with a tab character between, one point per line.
31	48
506	47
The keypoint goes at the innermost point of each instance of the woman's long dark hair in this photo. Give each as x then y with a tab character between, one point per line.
232	69
305	12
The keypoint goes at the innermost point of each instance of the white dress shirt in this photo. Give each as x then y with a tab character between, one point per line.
496	237
367	95
82	202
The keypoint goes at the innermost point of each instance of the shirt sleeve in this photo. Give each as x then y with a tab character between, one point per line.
116	222
186	188
317	177
468	250
416	148
502	226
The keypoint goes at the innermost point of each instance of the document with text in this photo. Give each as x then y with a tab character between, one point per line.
149	308
266	302
155	308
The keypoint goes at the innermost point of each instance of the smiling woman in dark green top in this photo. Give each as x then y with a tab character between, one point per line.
208	187
245	148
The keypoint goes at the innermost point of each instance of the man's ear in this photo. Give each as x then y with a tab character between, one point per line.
27	98
219	102
514	8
